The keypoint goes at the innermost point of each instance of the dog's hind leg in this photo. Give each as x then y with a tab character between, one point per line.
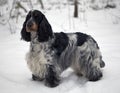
92	69
102	64
93	74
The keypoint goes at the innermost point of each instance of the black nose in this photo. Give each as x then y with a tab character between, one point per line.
29	23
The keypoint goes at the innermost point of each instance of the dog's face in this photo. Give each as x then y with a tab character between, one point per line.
35	17
36	21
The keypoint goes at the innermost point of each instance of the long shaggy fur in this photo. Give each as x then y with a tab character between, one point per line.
52	53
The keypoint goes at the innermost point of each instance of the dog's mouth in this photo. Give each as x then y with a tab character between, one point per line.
31	27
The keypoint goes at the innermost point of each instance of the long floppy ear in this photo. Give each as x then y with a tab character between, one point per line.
24	34
44	30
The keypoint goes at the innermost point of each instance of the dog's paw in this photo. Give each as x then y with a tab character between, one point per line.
52	83
35	78
95	76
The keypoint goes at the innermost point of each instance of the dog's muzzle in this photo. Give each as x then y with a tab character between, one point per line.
31	25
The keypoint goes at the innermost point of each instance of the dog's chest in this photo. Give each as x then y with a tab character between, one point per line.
37	58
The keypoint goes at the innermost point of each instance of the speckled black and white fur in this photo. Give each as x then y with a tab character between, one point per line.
52	53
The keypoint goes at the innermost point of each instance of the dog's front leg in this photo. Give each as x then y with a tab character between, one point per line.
36	78
52	78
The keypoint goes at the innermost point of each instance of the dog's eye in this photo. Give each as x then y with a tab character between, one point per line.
35	15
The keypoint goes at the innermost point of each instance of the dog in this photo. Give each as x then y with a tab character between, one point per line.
51	53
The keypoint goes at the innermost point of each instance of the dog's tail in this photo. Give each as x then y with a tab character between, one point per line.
102	64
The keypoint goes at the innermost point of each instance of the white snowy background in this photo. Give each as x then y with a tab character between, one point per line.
103	25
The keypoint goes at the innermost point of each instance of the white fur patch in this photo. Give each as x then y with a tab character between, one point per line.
37	64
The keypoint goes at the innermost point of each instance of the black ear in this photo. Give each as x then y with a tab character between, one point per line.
24	34
44	30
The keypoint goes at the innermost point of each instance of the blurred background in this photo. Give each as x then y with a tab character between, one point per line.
98	18
64	14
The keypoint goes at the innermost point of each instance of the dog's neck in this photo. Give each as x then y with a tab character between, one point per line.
33	35
36	46
34	38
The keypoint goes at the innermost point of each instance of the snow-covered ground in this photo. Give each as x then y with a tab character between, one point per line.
16	78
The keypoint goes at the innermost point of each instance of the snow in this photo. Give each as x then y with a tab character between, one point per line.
15	77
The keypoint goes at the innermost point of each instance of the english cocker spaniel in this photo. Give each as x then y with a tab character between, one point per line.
51	53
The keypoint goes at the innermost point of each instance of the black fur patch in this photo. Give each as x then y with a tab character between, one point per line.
24	34
44	31
61	42
51	77
81	38
95	42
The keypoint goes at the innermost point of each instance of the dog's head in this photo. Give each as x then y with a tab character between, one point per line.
36	22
